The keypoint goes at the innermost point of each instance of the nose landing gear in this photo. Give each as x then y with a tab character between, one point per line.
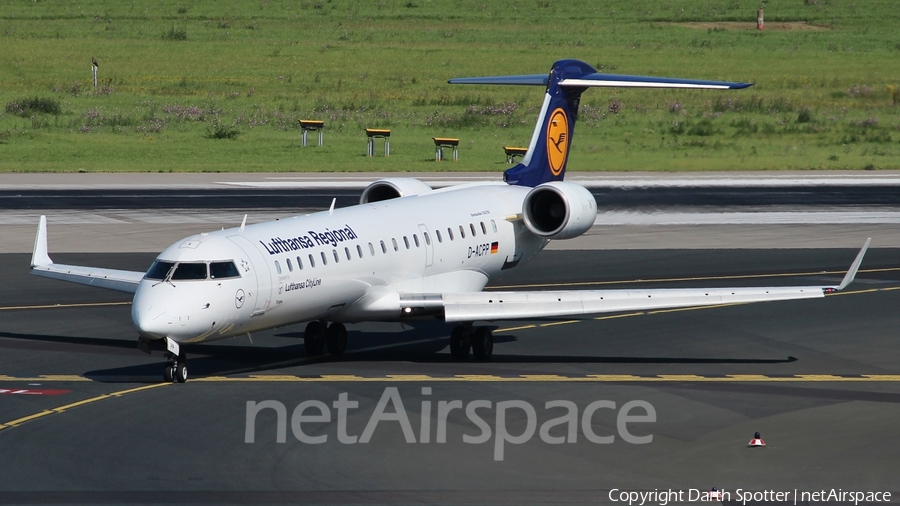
176	369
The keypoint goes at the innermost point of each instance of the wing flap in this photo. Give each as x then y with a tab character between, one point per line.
521	305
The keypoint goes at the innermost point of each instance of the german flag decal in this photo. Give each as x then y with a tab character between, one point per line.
494	247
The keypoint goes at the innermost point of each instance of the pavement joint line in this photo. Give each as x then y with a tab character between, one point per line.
400	378
65	407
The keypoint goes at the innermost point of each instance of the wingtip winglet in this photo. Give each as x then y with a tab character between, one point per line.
851	272
40	256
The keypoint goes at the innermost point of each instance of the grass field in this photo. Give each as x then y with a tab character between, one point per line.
219	86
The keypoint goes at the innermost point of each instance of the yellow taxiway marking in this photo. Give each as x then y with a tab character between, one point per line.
477	378
567	322
65	407
60	306
695	278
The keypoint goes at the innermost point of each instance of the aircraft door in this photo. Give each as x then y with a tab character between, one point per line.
429	245
259	267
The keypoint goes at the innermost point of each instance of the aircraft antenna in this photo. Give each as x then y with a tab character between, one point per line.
331	210
243	223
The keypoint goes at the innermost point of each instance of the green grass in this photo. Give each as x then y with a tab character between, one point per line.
219	86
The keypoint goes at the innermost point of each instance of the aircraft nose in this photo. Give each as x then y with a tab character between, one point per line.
148	311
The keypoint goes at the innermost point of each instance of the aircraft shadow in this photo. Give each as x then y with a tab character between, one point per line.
427	347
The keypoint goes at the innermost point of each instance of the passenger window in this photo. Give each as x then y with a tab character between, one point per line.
336	258
438	234
359	250
383	247
347	252
427	239
299	264
193	270
290	266
394	241
371	250
483	228
462	232
324	260
450	233
472	228
221	270
277	266
159	270
406	241
312	261
494	226
416	240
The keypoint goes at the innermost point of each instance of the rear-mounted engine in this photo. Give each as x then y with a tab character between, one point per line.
392	188
559	210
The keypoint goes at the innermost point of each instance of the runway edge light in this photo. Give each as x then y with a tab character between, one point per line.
756	441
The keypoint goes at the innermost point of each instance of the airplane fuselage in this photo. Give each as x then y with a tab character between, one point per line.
352	264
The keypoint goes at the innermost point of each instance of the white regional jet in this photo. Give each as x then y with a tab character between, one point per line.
406	251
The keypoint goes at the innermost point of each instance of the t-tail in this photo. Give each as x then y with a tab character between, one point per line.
548	151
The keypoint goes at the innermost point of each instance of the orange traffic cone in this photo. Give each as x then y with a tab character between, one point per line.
756	441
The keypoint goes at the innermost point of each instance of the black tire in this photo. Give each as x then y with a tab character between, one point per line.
483	343
314	338
169	373
336	339
181	372
460	342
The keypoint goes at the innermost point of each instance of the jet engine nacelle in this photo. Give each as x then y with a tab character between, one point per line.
559	210
392	188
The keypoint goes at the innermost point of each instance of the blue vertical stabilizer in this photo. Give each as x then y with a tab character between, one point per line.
548	151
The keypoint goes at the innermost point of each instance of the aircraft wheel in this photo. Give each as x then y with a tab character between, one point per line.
169	373
336	339
483	343
460	342
314	338
181	373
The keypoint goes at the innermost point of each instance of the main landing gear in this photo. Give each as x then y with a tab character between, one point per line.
479	339
318	337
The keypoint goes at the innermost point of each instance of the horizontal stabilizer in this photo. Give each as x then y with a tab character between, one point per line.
623	81
598	80
527	80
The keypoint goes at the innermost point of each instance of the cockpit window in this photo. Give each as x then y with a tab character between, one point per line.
184	271
220	270
159	269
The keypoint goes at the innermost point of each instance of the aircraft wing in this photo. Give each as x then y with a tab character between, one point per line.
112	279
523	305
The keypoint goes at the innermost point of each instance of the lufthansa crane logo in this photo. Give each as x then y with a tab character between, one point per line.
557	140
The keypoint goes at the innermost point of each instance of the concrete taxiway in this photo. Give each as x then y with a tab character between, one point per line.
818	378
85	419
